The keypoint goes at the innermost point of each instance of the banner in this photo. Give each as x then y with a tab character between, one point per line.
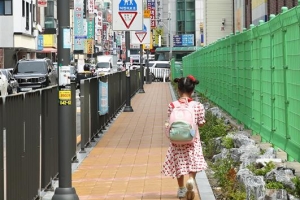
79	36
103	98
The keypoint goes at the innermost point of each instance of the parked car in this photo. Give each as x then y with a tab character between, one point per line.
13	85
73	74
3	84
160	70
35	73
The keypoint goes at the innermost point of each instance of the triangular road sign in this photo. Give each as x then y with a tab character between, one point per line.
141	36
127	18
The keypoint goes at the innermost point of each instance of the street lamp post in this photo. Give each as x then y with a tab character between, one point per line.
65	191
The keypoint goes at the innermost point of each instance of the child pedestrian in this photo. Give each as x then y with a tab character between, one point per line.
183	159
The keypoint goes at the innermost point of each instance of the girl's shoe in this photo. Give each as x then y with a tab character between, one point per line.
190	194
181	192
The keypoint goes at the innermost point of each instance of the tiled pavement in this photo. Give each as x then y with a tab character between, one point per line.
126	162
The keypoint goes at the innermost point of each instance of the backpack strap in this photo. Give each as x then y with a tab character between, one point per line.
176	104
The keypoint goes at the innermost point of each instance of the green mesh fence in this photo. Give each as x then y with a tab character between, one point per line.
176	69
255	76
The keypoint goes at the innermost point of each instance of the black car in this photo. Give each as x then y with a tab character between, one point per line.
13	85
34	74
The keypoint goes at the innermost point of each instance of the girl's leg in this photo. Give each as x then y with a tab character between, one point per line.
181	188
180	181
192	175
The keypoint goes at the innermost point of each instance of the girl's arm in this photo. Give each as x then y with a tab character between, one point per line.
200	114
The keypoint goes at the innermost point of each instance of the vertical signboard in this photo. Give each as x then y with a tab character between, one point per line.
128	15
151	6
90	8
89	46
90	29
40	43
98	27
79	36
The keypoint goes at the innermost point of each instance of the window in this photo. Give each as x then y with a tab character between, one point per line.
27	16
190	15
190	5
49	10
34	18
23	8
5	7
189	26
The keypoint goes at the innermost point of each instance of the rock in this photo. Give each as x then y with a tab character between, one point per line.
273	194
242	140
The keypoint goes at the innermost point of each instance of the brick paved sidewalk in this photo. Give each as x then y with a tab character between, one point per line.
126	163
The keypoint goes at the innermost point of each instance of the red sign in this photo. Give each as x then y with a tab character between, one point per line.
141	36
42	3
127	18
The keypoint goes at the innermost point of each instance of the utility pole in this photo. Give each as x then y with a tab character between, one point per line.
128	107
65	191
141	70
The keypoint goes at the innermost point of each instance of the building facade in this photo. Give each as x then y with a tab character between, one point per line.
17	29
28	30
255	10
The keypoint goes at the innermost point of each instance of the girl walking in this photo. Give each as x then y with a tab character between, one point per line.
183	159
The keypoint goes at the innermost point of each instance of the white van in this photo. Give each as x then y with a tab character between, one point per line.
105	65
160	70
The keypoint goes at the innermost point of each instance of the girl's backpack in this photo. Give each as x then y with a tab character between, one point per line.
182	128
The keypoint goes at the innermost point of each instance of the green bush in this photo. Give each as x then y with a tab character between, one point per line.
227	142
258	171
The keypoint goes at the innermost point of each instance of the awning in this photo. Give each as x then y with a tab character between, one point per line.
48	50
178	49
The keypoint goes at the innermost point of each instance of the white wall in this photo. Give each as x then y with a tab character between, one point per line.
13	24
215	11
19	22
6	30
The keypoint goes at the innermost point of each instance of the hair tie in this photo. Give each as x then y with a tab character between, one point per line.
192	78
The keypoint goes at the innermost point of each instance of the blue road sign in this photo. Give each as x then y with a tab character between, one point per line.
127	5
183	40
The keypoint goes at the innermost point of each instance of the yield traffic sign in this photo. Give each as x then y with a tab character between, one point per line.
128	15
141	36
127	18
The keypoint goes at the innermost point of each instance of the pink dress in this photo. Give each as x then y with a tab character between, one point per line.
181	159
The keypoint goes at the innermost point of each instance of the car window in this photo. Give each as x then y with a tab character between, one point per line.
4	72
31	67
103	65
162	65
151	64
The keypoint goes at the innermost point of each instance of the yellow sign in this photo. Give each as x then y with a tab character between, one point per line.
147	13
89	46
49	40
64	95
65	102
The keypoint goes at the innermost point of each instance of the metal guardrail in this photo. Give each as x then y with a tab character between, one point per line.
29	132
29	142
92	123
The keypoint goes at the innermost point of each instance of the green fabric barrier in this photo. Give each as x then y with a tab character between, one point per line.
254	76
